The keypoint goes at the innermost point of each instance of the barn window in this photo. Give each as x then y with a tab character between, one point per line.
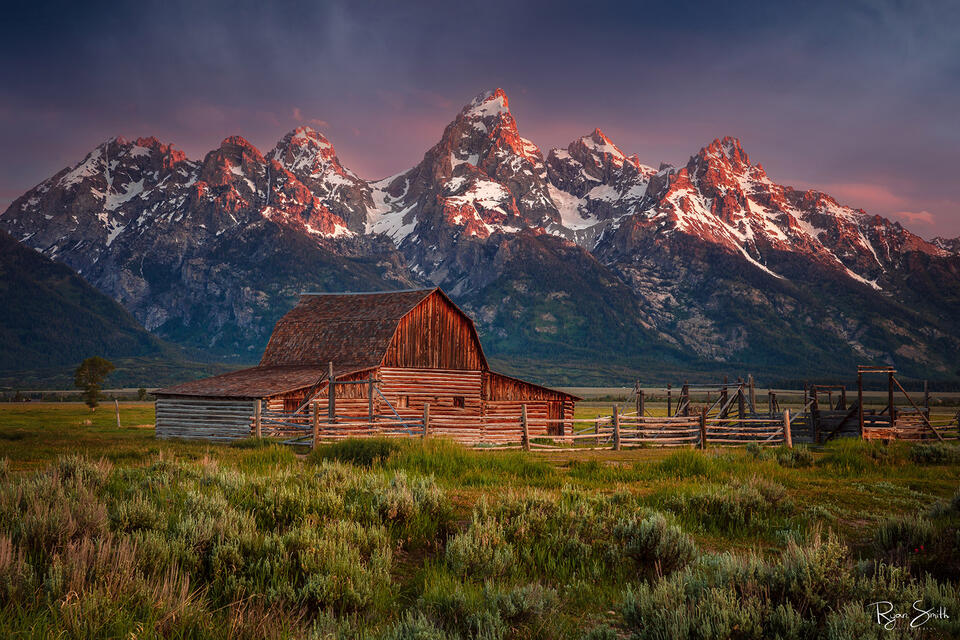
403	402
458	401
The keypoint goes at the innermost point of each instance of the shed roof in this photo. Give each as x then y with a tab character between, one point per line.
255	382
352	330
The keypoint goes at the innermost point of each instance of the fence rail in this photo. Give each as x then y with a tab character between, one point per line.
540	434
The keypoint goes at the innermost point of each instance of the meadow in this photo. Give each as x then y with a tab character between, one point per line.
110	533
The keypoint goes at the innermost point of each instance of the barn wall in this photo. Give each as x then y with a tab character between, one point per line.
435	335
500	387
203	418
436	386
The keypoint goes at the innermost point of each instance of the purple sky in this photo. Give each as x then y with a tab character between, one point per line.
861	101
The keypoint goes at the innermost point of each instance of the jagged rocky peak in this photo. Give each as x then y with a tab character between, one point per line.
487	104
480	178
309	156
728	148
235	157
600	158
493	130
304	150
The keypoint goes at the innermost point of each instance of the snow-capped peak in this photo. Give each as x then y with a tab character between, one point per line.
600	144
487	104
727	148
305	151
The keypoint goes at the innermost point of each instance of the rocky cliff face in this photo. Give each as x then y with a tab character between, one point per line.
584	251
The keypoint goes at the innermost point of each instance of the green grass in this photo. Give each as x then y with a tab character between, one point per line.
108	532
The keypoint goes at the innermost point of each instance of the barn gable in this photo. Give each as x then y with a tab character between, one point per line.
435	334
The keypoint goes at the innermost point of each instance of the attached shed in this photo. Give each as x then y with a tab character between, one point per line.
415	347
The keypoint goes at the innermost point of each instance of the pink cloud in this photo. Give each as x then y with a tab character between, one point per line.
316	122
915	216
863	195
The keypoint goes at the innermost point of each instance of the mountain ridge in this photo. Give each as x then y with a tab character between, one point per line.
206	252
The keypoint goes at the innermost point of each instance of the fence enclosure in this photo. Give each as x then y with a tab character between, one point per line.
530	432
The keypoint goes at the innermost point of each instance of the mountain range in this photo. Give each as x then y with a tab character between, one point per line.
579	265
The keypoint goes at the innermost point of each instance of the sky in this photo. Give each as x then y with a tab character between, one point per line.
858	99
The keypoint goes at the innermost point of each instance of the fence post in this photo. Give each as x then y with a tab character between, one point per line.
723	399
116	403
787	436
753	393
703	428
640	403
815	413
860	401
256	419
370	398
741	410
331	395
426	419
616	429
526	429
669	399
316	423
770	402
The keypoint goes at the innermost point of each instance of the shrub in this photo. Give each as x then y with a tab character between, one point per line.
796	457
415	626
482	549
449	460
857	456
463	610
934	453
904	539
137	513
357	451
732	507
17	579
657	547
688	463
601	632
809	591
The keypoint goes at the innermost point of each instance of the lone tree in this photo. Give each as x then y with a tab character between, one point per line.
89	376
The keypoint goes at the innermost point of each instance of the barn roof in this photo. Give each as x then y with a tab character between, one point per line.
255	382
349	329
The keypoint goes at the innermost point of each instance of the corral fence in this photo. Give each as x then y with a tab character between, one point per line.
616	431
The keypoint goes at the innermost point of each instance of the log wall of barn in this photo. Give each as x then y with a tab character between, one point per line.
203	418
408	389
435	335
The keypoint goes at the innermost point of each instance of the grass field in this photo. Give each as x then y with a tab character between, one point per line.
107	532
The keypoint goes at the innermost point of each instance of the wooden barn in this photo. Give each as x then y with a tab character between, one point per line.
389	354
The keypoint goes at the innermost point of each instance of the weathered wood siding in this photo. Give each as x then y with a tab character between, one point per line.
435	335
505	396
439	387
203	418
497	386
351	398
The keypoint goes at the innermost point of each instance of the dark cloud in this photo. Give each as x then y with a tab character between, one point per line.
865	93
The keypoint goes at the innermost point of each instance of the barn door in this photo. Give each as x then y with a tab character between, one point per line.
554	412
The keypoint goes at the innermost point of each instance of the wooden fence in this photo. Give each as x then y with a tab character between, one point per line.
491	432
